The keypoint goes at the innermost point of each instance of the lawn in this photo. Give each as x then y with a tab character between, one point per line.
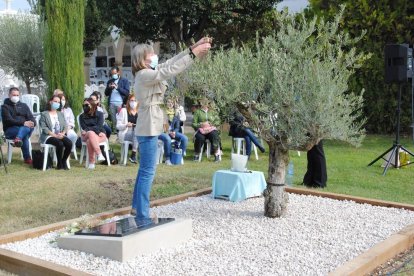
30	198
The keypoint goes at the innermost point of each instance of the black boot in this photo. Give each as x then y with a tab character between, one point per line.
133	158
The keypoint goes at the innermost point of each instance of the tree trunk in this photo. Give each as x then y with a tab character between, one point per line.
276	198
119	51
29	89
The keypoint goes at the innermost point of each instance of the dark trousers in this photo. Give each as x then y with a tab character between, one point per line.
63	149
200	139
316	175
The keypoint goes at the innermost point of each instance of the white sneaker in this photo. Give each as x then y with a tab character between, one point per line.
168	163
101	157
91	166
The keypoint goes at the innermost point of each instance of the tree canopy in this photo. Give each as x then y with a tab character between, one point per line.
180	21
21	56
63	49
292	87
386	22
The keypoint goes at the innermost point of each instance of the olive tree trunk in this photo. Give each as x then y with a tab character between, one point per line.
276	198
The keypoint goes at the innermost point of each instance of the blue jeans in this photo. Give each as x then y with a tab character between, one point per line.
166	139
250	137
23	133
145	176
183	141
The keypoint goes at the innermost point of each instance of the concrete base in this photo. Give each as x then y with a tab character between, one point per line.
125	248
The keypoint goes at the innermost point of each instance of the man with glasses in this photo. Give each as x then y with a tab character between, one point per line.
117	91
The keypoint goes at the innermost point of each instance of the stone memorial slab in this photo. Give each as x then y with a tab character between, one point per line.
127	238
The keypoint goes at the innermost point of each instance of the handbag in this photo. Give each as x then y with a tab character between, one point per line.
37	159
112	157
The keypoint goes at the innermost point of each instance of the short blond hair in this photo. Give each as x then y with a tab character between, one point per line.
138	57
57	92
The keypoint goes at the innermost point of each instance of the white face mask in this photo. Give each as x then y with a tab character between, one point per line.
154	61
15	99
133	105
63	103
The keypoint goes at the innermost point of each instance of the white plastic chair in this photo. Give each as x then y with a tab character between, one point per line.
239	146
46	148
208	150
124	152
37	127
84	149
32	102
160	152
75	154
10	143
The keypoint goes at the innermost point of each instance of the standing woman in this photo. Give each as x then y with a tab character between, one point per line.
149	87
53	131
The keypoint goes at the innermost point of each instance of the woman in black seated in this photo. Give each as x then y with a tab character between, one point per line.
239	129
53	131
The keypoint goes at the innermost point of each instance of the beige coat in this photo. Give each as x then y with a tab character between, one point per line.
149	87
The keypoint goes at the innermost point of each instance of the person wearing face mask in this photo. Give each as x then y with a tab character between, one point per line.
69	118
117	91
91	122
53	131
18	122
150	86
96	97
126	120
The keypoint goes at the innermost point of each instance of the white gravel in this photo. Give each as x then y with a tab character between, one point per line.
316	236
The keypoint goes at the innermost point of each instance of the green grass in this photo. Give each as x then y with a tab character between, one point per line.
30	198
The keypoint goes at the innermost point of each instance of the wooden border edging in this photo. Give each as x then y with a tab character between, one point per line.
25	265
379	254
362	264
357	199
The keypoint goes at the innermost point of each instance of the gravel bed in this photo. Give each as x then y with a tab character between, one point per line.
316	236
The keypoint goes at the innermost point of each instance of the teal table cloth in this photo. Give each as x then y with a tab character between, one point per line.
237	186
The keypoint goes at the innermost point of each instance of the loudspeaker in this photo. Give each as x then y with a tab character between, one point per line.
396	59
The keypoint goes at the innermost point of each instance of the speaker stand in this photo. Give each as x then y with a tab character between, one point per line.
396	147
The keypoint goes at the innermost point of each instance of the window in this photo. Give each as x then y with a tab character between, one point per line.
101	61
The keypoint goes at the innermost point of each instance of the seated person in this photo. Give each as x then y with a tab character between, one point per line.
174	109
126	120
69	119
171	131
92	131
205	123
18	122
239	128
96	97
53	131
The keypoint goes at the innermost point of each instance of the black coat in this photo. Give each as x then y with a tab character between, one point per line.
316	175
15	114
93	123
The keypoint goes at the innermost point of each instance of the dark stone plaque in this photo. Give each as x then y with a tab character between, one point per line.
123	227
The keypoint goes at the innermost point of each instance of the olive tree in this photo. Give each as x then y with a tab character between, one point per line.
21	47
292	88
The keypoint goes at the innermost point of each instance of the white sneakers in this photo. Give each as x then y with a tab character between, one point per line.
168	163
101	157
91	166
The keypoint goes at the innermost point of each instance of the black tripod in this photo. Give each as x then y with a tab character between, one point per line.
395	149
